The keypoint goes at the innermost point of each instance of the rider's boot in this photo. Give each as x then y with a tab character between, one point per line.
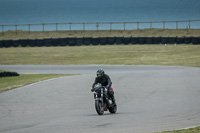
113	100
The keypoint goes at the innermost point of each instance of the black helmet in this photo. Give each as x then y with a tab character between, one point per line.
100	73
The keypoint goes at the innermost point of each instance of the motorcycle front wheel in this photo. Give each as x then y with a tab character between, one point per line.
99	107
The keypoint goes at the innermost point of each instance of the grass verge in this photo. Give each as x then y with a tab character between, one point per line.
13	35
171	55
7	83
190	130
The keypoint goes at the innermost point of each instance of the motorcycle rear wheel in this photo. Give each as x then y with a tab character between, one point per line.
99	107
113	109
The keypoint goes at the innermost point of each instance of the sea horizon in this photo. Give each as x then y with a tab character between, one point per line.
15	12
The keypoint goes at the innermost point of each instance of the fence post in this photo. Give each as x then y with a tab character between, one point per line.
97	27
43	27
84	27
150	25
138	25
56	27
29	28
163	24
189	24
124	26
110	26
15	29
70	26
2	30
187	29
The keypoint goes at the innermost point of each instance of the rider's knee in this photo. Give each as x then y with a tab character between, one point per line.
111	92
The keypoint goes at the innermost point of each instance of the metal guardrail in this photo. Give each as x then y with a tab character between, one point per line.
187	24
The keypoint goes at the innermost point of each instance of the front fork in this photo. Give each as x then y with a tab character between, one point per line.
99	98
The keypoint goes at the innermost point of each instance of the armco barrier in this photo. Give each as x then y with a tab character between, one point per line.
98	41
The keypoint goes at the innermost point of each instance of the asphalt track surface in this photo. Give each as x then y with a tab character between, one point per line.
149	98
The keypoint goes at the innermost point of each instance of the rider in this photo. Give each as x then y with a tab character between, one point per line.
105	80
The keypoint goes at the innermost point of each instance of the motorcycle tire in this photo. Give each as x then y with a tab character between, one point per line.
99	107
113	109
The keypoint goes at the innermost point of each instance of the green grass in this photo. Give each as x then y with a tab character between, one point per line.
13	35
7	83
171	55
190	130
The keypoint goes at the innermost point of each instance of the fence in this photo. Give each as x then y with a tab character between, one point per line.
187	24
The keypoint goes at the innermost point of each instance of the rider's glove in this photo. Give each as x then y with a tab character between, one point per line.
92	89
106	87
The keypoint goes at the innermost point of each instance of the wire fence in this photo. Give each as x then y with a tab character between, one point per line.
97	26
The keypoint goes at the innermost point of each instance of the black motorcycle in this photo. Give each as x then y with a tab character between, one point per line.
102	100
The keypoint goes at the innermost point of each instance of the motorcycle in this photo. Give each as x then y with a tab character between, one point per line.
102	100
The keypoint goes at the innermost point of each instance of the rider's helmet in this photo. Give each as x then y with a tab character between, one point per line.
100	73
